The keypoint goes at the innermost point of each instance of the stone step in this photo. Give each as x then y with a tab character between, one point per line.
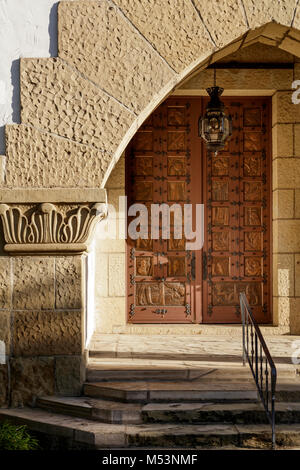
99	371
236	413
61	432
183	391
96	374
134	413
202	389
212	436
94	409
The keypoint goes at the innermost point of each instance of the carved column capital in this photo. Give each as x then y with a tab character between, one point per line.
49	228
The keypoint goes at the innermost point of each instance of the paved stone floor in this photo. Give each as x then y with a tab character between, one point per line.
223	354
183	348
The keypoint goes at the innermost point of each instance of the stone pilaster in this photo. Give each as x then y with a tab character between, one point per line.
43	294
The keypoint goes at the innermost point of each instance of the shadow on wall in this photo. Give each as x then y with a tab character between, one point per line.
15	75
15	81
53	32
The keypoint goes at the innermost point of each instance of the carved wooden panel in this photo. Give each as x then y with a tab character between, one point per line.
176	191
144	191
174	293
161	283
144	266
176	166
252	216
237	200
220	215
144	244
220	190
168	163
149	293
176	116
176	141
253	265
253	241
220	241
176	266
144	166
252	117
224	294
176	244
252	165
220	166
143	140
252	141
252	191
227	293
220	266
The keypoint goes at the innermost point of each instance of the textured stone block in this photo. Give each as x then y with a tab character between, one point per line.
284	110
101	277
199	81
2	169
33	283
106	48
297	138
68	283
116	179
109	246
259	13
110	314
47	333
283	275
297	275
295	316
56	98
286	236
281	312
31	377
69	375
116	275
286	173
290	45
283	140
5	282
5	329
173	28
3	386
239	79
113	198
218	16
36	159
297	203
283	204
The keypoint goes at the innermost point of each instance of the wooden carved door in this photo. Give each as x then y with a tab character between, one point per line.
236	253
168	163
161	277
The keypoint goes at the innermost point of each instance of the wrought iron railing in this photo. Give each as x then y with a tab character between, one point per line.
260	361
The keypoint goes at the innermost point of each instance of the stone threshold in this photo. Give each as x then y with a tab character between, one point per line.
200	329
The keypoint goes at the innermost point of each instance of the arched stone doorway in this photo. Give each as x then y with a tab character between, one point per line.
117	61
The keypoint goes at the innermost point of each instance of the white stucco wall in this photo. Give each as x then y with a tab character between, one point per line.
28	28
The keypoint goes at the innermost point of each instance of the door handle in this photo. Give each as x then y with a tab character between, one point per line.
204	266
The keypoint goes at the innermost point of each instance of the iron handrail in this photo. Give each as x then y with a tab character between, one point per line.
260	361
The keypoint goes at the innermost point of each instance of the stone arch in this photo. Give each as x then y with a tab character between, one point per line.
117	61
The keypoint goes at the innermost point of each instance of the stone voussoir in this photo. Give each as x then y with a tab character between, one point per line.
114	55
51	161
57	99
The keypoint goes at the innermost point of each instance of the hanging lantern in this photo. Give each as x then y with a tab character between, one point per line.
215	127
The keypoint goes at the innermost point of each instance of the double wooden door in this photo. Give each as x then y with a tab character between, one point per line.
167	163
